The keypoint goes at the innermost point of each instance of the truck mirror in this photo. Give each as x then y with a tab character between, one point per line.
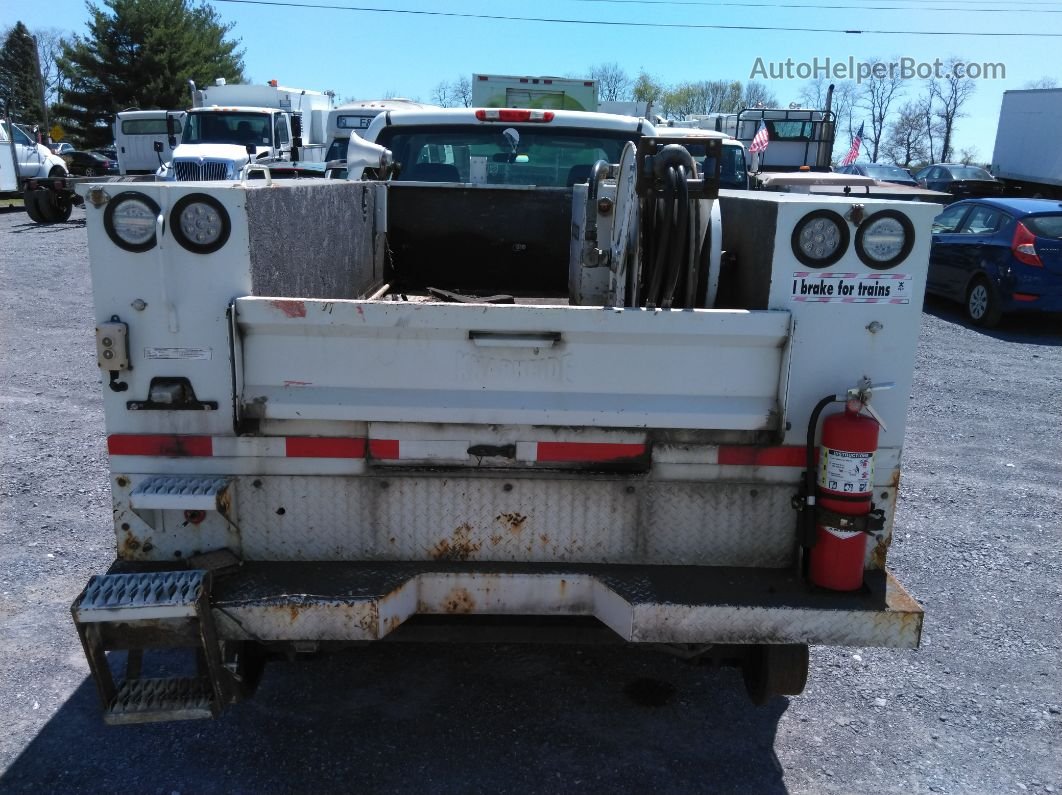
296	125
171	131
158	146
251	150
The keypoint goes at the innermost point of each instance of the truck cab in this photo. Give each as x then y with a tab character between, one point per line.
23	158
216	143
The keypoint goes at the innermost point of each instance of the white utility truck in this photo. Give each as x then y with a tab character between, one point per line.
1028	152
356	117
797	136
524	91
141	138
31	172
539	376
230	126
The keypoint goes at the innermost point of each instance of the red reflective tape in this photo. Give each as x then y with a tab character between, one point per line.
1024	297
383	448
763	456
324	447
159	445
588	451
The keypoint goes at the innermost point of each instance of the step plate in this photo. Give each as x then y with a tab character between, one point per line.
182	493
140	596
150	700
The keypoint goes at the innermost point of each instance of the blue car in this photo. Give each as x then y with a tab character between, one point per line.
997	256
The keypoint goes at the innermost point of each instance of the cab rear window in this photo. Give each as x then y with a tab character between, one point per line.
148	126
537	155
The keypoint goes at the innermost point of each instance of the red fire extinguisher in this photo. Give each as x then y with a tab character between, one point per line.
845	489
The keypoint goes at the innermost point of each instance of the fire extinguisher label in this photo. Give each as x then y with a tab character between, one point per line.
852	473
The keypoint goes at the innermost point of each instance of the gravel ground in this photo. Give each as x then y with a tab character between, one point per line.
976	709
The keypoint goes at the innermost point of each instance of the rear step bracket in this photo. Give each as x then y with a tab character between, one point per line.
132	611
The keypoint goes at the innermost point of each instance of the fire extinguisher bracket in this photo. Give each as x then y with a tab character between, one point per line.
871	522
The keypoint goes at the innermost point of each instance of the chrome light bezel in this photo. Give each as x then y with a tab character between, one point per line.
109	224
178	232
905	249
843	238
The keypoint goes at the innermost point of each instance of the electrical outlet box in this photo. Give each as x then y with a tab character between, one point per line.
112	346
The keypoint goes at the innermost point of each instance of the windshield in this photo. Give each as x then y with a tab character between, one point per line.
732	171
969	172
228	127
536	155
887	172
338	149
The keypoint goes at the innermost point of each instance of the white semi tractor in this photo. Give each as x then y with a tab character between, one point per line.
540	376
230	126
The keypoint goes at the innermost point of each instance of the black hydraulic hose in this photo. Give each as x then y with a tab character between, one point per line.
663	233
679	234
808	528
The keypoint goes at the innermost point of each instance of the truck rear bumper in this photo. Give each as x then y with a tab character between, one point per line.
298	602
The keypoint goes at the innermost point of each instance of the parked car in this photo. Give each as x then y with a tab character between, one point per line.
881	172
109	152
90	164
61	148
997	256
961	181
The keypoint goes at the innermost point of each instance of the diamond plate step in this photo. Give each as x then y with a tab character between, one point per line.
140	597
181	493
171	698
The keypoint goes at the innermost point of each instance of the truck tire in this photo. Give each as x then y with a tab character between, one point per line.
29	200
775	670
46	206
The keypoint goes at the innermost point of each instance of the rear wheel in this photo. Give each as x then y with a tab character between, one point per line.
29	200
775	670
982	304
90	171
64	206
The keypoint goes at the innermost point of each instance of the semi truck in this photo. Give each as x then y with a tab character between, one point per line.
230	126
537	375
1028	155
522	91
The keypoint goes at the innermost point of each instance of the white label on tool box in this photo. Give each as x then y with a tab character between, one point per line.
177	353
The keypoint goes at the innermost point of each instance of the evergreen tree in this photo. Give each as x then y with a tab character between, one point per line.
141	54
20	77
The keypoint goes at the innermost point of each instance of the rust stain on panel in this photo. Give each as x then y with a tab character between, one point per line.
130	546
459	546
459	600
513	522
881	551
291	308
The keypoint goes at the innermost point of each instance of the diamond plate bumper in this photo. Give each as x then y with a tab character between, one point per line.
290	602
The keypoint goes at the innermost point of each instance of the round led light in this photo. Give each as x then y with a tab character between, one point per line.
820	238
884	239
200	223
130	221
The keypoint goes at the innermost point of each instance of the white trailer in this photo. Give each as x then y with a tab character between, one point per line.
1028	154
136	133
517	380
523	91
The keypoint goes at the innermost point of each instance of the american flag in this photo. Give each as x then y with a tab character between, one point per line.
853	153
760	140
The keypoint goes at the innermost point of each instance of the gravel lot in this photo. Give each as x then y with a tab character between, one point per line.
976	709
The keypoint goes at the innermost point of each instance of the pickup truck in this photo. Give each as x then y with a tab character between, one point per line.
539	375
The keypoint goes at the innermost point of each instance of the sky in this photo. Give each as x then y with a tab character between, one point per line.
374	53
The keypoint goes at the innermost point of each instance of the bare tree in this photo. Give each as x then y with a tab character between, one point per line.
461	89
758	95
905	143
1043	82
442	95
724	96
613	83
878	94
50	43
950	94
967	155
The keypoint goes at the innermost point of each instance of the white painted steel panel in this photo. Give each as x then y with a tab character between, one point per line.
631	368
